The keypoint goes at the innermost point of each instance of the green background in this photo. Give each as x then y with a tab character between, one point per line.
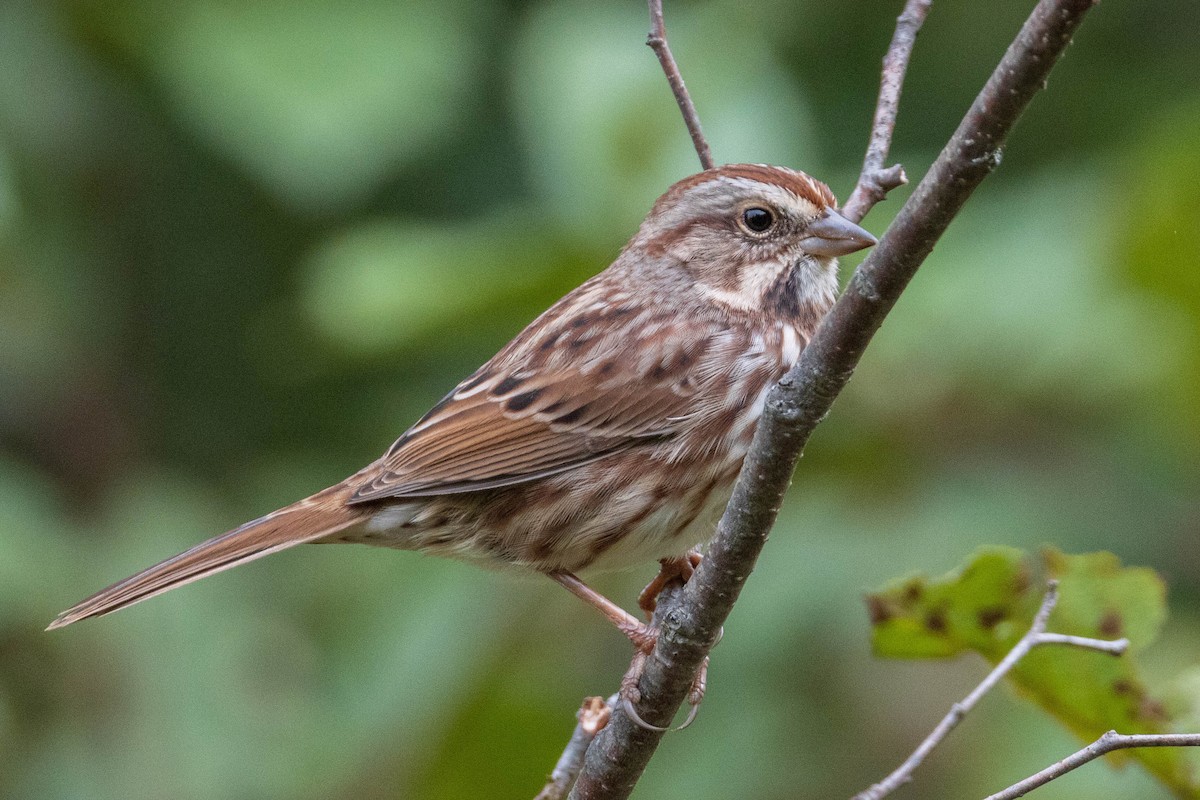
244	245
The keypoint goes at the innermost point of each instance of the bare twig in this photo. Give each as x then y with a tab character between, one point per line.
876	181
1116	647
1105	744
1036	636
658	43
593	715
801	400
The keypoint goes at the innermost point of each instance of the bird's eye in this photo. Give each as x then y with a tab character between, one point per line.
758	219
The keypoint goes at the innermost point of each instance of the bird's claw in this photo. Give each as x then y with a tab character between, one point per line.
630	694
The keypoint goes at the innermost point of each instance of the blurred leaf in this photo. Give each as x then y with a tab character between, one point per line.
32	529
602	129
320	101
1157	240
1014	307
1100	598
9	202
988	605
52	312
922	618
382	284
1182	699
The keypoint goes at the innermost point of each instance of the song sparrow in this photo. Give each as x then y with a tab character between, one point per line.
610	430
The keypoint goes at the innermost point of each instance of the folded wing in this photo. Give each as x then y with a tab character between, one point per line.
538	409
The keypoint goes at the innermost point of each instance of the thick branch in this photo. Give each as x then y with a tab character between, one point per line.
1105	744
876	181
620	753
658	43
1036	636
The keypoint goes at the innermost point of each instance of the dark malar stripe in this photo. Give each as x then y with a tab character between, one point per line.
784	296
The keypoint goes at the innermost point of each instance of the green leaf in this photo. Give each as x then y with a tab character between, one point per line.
1156	247
603	136
988	605
319	102
383	284
970	610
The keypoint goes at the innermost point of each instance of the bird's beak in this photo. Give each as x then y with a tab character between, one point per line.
831	234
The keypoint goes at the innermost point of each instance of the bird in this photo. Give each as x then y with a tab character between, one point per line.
607	433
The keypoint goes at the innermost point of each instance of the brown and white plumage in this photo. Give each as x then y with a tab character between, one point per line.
611	429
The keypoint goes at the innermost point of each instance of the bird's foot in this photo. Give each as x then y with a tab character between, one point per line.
643	636
671	569
630	694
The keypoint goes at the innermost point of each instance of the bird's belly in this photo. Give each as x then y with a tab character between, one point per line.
671	531
592	519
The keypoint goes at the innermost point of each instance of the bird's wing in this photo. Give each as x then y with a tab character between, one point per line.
562	394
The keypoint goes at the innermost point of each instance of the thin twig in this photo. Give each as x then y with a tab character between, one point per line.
876	181
658	43
1105	744
1116	647
801	400
1035	637
593	715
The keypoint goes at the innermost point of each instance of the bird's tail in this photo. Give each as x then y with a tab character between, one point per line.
313	518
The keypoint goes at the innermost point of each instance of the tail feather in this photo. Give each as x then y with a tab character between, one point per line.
310	519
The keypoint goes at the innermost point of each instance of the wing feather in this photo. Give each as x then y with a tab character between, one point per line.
534	411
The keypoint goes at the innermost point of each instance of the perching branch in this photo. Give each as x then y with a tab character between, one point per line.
1036	636
876	181
657	40
593	717
1105	744
801	400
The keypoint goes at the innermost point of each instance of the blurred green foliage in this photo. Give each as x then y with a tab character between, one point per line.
244	245
988	606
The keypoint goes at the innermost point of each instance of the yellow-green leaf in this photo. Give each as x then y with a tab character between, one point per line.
988	605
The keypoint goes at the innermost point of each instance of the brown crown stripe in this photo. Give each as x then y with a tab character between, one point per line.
793	181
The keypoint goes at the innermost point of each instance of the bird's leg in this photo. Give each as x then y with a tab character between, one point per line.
642	635
681	567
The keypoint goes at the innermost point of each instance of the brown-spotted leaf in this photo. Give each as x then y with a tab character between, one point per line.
988	605
969	609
